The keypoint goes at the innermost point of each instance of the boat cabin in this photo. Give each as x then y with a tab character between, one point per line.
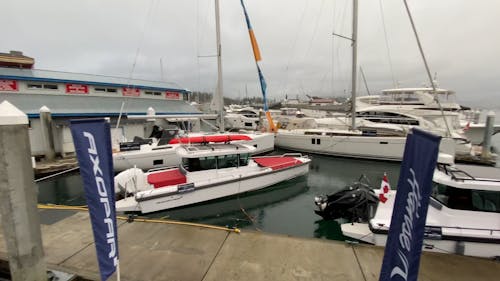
214	156
467	190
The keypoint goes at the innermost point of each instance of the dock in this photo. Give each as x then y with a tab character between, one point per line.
162	250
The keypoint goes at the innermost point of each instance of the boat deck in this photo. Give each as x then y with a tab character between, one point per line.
276	163
166	178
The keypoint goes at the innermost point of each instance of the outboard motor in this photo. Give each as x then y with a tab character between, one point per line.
356	203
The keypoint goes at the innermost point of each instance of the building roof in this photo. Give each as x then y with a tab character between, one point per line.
88	79
93	106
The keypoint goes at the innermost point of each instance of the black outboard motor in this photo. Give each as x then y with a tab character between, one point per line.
356	203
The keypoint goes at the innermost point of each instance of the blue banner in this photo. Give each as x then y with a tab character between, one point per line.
92	139
406	232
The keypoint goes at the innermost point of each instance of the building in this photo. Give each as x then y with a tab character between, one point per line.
75	95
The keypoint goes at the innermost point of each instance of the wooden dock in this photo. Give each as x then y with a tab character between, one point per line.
159	251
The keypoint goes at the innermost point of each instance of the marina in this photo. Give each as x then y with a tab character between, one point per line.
113	171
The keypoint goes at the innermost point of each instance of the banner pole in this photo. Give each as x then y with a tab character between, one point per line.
118	270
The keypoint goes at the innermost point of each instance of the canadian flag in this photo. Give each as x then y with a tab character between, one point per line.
384	188
467	127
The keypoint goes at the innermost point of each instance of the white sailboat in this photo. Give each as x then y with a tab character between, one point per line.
156	154
360	139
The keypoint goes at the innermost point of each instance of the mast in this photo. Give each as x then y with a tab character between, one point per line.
219	93
354	61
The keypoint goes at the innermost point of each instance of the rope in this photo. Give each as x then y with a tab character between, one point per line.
387	44
164	221
427	68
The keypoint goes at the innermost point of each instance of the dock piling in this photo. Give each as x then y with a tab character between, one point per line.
48	137
18	198
488	132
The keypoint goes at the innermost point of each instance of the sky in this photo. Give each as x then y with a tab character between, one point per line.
174	40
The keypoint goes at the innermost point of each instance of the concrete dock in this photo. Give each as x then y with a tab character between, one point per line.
159	251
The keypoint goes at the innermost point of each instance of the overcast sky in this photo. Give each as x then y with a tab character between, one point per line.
300	56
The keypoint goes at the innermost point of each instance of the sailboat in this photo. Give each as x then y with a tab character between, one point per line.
360	139
157	153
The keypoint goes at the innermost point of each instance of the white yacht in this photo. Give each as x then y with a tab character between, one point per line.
463	215
421	101
245	118
207	172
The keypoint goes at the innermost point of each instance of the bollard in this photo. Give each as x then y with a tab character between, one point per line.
18	198
475	116
150	122
490	120
48	136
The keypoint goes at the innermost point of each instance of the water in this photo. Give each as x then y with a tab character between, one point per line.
286	208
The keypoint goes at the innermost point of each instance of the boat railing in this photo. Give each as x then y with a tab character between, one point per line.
290	154
461	175
491	230
161	168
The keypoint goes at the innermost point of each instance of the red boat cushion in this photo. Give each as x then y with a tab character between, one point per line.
276	163
166	178
209	138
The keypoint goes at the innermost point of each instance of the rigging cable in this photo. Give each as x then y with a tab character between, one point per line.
433	85
395	85
146	22
294	45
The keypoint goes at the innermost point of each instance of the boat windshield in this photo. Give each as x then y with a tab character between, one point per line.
215	162
467	199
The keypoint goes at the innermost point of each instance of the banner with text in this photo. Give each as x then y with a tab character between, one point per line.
406	232
92	139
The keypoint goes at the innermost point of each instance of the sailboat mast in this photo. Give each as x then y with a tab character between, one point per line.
354	61
219	93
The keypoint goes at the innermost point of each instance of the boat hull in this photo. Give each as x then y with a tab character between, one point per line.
379	148
362	232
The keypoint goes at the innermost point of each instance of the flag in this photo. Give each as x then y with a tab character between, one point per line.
384	189
257	56
467	127
92	139
406	232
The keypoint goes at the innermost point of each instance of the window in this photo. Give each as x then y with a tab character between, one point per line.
105	90
50	86
467	199
151	93
35	86
42	86
313	141
243	159
227	161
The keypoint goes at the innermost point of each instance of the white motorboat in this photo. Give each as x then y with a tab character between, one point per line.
463	215
161	152
418	100
246	118
207	172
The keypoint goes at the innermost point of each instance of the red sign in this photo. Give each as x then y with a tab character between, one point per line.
131	92
8	85
172	95
77	89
